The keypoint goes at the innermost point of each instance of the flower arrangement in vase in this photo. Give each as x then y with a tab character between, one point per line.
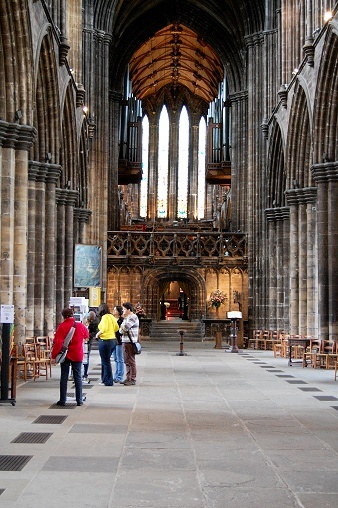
217	298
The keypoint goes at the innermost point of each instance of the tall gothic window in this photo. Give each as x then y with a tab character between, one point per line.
163	161
183	163
181	177
145	168
201	167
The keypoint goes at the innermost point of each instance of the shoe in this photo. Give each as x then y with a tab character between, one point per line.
79	403
117	381
128	383
102	384
85	381
60	403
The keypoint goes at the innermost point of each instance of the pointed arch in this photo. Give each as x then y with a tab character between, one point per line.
276	169
47	114
299	142
325	123
68	151
18	64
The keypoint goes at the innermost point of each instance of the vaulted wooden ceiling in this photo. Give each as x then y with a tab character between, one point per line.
135	26
176	56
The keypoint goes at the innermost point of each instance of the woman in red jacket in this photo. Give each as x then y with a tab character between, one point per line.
74	356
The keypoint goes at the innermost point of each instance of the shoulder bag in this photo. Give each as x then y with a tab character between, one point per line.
60	357
136	345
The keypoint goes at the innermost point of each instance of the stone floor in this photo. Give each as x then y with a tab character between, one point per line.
207	429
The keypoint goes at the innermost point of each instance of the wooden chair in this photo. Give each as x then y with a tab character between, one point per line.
311	351
320	359
335	370
43	350
21	362
267	340
256	336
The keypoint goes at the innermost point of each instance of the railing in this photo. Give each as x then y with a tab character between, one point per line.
184	246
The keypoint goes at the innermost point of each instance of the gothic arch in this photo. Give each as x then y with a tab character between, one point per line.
325	123
154	278
69	147
276	169
18	64
47	114
299	142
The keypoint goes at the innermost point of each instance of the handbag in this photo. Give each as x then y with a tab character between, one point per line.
61	356
136	345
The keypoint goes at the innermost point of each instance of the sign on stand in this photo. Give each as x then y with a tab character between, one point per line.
6	318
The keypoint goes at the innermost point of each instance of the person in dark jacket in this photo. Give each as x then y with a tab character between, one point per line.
74	356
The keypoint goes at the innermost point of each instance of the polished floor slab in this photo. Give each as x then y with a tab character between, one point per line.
209	429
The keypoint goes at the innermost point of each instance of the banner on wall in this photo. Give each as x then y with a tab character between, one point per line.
87	266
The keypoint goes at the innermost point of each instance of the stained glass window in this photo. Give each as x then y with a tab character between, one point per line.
163	154
201	167
183	162
145	171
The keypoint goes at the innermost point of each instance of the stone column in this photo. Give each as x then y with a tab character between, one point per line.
298	199
326	177
277	268
193	174
113	202
71	198
16	140
52	176
81	218
173	167
153	164
61	199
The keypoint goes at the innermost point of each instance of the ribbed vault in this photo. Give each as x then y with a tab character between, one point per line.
223	24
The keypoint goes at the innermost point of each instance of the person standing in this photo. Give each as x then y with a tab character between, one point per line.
92	325
74	356
107	342
118	352
129	328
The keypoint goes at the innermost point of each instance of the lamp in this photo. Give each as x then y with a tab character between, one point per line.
327	16
48	157
18	115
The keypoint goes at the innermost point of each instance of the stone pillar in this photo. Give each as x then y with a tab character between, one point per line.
300	269
51	247
326	177
61	199
36	248
16	140
113	202
173	167
81	218
278	266
193	174
153	163
71	198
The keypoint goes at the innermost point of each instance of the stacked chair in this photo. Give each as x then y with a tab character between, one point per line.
33	357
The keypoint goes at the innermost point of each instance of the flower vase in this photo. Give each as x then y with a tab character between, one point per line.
217	312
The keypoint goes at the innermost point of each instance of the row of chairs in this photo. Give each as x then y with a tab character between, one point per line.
33	357
318	353
265	339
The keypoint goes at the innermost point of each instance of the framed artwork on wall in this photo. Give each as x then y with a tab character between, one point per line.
87	265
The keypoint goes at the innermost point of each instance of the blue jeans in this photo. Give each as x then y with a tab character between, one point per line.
119	363
77	370
106	349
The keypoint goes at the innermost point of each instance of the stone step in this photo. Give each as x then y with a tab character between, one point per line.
169	330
